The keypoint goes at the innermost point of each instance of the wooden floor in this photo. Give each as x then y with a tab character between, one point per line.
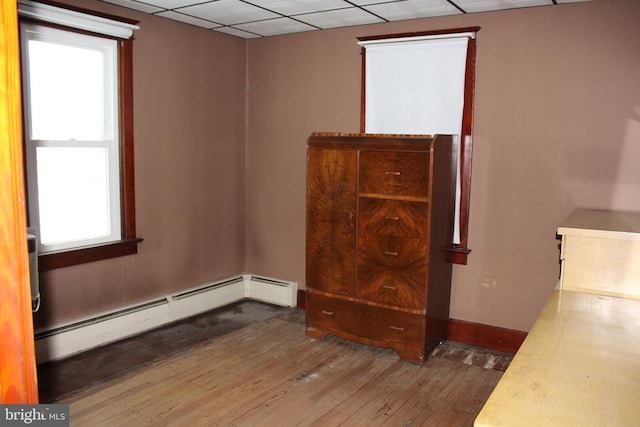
269	373
61	379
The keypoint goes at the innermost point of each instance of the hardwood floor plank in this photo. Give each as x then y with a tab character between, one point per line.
270	373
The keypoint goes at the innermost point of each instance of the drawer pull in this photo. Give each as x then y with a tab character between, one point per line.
328	313
396	173
391	253
392	218
396	328
389	287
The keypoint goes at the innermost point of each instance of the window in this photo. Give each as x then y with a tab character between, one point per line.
76	78
423	83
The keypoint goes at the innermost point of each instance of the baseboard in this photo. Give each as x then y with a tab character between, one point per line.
66	339
302	299
269	290
475	334
486	336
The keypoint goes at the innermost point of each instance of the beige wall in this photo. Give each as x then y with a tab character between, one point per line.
557	125
189	111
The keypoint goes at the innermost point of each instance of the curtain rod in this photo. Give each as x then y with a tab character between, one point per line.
470	34
74	19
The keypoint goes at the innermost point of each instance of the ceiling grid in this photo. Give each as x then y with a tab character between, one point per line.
263	18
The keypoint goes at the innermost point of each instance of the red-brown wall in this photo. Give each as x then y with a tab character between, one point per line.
557	126
220	175
189	112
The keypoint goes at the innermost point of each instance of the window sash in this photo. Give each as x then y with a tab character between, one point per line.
106	138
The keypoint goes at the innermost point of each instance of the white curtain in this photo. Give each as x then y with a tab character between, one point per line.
415	87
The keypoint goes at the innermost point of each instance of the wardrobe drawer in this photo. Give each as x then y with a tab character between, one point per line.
392	326
394	217
392	270
368	323
394	173
331	314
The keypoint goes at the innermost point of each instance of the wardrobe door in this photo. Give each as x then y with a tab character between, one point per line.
331	228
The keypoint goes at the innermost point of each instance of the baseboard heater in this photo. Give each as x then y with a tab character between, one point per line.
83	334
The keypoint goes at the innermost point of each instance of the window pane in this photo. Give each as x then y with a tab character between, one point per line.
67	91
73	193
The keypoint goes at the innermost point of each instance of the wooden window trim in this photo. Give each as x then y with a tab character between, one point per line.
128	245
455	253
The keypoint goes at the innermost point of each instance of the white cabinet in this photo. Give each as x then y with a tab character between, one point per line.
578	365
600	253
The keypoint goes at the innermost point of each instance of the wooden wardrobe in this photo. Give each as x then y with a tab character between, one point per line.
380	211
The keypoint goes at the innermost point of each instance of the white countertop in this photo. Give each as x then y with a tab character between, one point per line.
579	366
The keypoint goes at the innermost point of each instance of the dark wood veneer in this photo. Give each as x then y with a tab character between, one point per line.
475	334
331	210
378	212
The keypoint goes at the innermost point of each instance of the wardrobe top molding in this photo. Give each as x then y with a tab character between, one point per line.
358	141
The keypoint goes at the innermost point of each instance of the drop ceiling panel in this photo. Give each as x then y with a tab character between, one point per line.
228	12
188	19
172	4
130	4
263	18
274	27
339	18
489	5
410	9
237	32
297	7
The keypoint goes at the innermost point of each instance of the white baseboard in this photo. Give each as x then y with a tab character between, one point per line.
80	335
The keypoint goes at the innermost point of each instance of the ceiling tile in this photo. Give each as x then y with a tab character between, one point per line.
273	27
339	18
488	5
297	7
228	12
130	4
236	32
412	9
171	4
365	2
187	19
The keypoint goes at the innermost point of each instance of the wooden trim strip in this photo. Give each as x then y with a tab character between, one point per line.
50	261
486	336
421	33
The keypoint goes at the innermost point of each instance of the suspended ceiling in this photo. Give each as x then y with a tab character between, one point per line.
263	18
